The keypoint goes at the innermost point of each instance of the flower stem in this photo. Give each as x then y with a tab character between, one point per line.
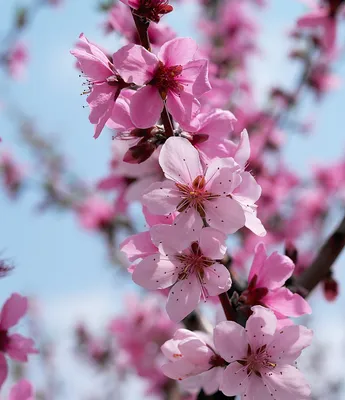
227	307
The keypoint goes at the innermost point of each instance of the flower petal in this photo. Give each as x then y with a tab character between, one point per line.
155	272
12	311
230	341
235	379
212	243
138	246
146	107
178	51
286	382
184	108
289	342
135	64
19	347
3	369
217	279
260	327
224	214
180	161
287	303
183	298
161	198
22	390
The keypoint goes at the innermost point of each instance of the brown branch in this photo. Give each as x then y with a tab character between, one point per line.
229	312
323	262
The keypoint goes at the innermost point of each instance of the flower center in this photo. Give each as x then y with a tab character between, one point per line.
257	361
4	340
165	79
194	195
153	9
193	262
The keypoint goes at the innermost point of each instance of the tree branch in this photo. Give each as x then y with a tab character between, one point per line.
323	262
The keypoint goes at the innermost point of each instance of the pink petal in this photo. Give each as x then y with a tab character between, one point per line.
235	379
211	380
161	198
170	349
212	243
287	382
3	369
194	77
256	389
169	239
178	369
178	51
138	246
180	161
313	19
146	107
260	257
222	176
329	38
224	214
131	3
12	311
195	351
154	272
253	223
120	119
217	123
184	108
275	271
20	347
260	327
183	298
217	279
248	192
22	390
243	150
230	341
111	182
135	64
289	342
287	303
190	223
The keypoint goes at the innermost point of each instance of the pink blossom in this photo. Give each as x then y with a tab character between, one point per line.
261	358
140	332
12	173
211	137
17	59
222	192
186	262
193	360
22	390
176	76
104	82
120	20
150	9
95	213
266	285
14	345
324	18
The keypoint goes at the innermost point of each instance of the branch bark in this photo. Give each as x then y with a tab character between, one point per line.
323	262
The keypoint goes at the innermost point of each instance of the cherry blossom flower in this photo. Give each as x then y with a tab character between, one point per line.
105	84
222	193
186	262
17	60
261	358
150	9
12	173
95	213
266	286
324	18
15	345
176	76
193	360
120	20
22	390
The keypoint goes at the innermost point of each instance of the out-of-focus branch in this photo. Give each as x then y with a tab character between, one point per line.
323	262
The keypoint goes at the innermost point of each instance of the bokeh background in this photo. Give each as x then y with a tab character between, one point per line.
65	268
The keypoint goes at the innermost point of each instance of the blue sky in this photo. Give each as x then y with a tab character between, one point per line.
56	260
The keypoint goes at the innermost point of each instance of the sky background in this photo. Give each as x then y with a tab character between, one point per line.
65	267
